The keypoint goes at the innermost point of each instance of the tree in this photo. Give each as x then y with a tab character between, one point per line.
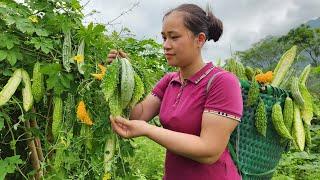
264	54
307	39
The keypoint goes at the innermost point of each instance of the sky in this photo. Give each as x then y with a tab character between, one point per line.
245	21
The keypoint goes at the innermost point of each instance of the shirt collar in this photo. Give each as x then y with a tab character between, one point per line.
197	77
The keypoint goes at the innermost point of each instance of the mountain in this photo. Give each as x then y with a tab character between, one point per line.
315	23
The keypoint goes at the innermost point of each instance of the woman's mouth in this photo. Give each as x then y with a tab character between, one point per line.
168	55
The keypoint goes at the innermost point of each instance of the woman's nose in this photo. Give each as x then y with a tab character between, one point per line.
166	44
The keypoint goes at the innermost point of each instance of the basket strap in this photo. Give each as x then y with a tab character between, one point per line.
211	80
261	174
233	154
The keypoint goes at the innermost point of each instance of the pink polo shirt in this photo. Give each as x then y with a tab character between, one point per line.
181	110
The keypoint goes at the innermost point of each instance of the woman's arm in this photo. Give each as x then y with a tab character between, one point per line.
206	148
146	109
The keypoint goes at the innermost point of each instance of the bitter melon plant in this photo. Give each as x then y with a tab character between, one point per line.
261	118
122	87
57	116
111	79
253	93
37	87
278	123
306	109
283	66
11	86
127	82
296	94
288	113
26	91
298	132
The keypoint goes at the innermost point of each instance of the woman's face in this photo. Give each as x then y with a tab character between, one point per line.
179	44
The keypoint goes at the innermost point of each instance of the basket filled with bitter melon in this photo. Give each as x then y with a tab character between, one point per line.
277	111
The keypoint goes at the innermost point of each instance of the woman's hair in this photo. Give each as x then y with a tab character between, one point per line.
197	21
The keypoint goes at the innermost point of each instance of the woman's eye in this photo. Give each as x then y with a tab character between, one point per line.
174	37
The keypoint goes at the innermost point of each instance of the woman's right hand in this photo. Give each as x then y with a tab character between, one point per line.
114	53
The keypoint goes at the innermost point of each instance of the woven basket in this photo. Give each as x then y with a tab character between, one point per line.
257	156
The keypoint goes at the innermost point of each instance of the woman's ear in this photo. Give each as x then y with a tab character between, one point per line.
201	39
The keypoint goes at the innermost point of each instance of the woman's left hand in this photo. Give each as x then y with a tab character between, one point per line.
129	128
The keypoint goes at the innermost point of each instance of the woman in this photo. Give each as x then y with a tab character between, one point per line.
197	123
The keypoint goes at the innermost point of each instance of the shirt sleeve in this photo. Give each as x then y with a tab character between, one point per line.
224	96
161	86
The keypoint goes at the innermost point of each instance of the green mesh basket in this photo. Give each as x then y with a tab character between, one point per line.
257	156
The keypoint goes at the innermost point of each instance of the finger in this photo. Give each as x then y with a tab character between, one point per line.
118	129
110	58
118	124
114	125
113	51
122	54
122	126
122	120
112	55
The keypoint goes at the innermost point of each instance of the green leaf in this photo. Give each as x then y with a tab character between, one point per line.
45	49
1	121
12	58
69	76
3	8
52	81
315	69
42	32
99	28
10	20
8	40
36	42
66	80
45	44
25	26
3	55
13	55
8	165
49	69
7	72
75	4
10	44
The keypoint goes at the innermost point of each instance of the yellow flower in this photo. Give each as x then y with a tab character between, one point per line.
78	58
83	115
98	76
33	19
265	78
106	176
101	75
269	76
102	69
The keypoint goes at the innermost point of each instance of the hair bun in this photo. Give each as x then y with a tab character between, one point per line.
215	27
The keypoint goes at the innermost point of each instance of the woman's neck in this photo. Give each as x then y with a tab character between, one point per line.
189	70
